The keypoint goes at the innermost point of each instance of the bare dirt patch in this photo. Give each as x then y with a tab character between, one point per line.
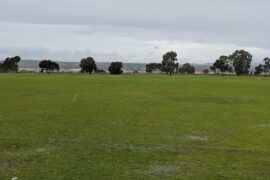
5	167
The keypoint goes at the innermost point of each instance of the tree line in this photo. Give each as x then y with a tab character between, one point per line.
170	66
87	65
239	62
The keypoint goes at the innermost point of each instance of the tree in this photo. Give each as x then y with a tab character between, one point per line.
241	61
259	69
168	63
116	68
213	68
44	65
55	66
206	71
48	66
222	64
10	64
187	69
266	65
263	68
88	65
153	67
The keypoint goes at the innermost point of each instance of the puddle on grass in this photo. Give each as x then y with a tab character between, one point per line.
160	170
195	138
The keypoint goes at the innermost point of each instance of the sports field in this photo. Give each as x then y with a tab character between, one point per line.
134	127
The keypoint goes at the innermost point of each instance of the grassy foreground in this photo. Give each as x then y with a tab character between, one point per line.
134	127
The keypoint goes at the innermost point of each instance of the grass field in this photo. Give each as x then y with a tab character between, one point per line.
134	127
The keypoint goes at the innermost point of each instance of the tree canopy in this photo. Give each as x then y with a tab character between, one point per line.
263	68
259	69
222	64
187	69
48	66
206	71
88	65
153	67
241	61
116	68
169	64
266	65
10	64
238	62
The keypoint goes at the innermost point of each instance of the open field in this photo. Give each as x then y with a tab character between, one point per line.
134	127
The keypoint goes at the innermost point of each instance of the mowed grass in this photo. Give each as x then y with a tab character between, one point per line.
134	127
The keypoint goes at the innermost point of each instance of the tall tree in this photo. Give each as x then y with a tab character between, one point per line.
169	64
241	61
116	68
88	65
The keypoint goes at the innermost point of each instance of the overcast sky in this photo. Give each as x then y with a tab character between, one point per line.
133	30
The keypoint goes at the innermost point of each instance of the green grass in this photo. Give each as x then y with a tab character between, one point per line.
134	127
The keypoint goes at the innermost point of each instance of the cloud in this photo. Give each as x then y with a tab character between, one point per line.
199	31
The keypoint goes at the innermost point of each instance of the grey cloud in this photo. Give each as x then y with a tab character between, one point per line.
129	29
34	53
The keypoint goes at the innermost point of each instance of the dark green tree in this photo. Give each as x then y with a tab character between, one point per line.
259	69
241	61
206	71
88	65
10	64
153	67
266	65
213	68
48	66
187	69
169	64
55	66
44	65
116	68
222	64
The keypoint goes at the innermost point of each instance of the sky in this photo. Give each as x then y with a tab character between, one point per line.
133	30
